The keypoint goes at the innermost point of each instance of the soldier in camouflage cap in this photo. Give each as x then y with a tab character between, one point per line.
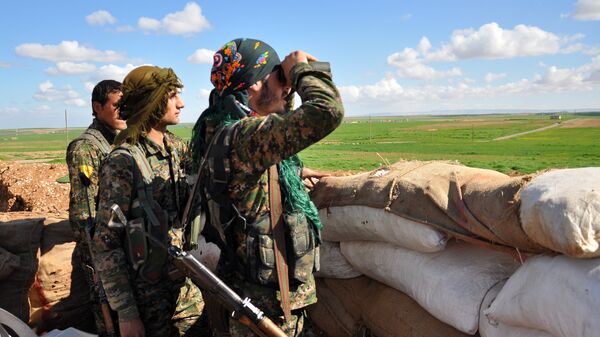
144	175
251	102
84	155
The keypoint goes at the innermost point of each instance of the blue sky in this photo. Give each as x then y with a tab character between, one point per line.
388	57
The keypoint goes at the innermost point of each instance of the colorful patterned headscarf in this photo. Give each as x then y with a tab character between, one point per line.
236	66
145	94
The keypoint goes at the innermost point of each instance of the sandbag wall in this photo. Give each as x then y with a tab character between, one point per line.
46	288
472	247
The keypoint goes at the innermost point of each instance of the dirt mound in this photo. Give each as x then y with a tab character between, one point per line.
33	187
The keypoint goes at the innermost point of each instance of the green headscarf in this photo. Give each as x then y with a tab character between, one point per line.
238	65
145	94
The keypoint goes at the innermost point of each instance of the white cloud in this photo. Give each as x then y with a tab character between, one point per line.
125	29
89	86
47	92
491	41
389	94
587	10
203	94
186	22
491	77
201	56
70	68
100	18
409	63
67	51
148	24
4	65
406	17
76	102
114	72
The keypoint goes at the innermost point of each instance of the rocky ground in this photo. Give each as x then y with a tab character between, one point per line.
31	190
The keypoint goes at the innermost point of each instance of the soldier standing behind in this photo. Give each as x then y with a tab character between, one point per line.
248	135
84	155
144	177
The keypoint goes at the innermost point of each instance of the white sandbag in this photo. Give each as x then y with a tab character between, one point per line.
491	328
449	284
207	253
333	263
362	223
560	210
558	294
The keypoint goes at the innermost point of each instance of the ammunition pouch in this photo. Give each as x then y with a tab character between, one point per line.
145	256
302	257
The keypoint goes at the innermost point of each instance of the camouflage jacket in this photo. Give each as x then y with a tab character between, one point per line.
84	155
117	186
260	142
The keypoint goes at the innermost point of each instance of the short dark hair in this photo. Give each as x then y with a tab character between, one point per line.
101	91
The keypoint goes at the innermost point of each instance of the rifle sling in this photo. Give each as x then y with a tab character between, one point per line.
279	241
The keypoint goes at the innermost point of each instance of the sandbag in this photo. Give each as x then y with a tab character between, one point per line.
560	210
60	296
468	203
450	284
558	294
362	223
352	307
8	263
489	328
21	238
333	263
332	314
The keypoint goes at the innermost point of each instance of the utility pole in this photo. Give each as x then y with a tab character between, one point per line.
66	131
370	137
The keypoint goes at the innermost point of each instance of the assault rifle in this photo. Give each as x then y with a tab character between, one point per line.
106	313
242	309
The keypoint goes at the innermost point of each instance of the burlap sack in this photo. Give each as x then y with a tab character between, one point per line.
8	263
449	284
347	307
469	203
491	328
333	263
561	210
560	295
60	297
21	238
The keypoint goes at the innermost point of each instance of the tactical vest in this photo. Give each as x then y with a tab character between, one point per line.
146	216
301	243
99	141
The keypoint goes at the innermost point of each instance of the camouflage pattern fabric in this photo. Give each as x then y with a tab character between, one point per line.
166	306
85	155
260	142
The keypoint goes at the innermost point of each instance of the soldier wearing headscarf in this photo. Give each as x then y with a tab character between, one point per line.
248	128
144	176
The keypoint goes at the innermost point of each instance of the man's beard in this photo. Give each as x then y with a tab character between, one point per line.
267	99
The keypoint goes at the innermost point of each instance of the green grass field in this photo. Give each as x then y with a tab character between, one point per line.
361	144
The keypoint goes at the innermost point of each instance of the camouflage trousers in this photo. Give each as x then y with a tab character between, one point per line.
171	308
82	250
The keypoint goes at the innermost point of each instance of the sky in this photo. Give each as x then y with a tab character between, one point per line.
387	57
